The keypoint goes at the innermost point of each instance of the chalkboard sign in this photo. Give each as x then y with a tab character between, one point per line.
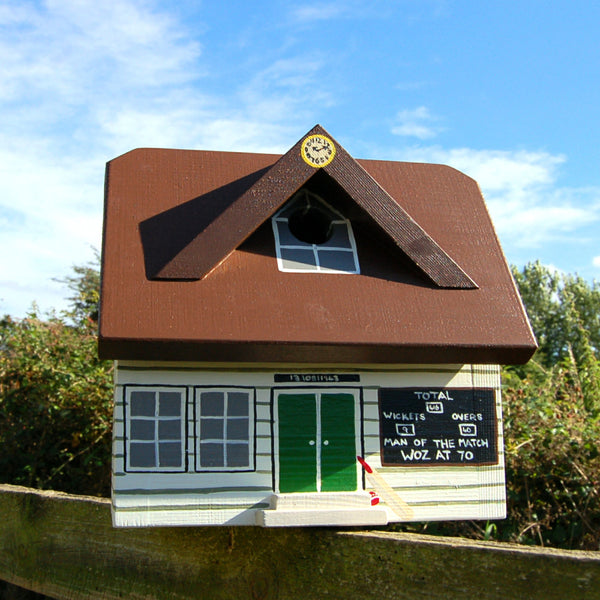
437	426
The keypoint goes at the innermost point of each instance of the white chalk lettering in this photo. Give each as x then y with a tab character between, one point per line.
473	443
467	416
442	455
401	416
415	454
395	442
467	429
433	395
435	407
405	429
444	443
465	455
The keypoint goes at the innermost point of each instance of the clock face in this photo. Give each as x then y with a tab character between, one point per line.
318	150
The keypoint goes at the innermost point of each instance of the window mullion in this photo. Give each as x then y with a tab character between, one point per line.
225	398
315	250
156	421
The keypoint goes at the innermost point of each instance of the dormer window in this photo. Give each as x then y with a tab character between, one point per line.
312	236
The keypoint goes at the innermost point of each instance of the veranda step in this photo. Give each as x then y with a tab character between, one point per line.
322	517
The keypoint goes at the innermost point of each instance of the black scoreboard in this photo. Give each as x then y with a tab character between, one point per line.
437	426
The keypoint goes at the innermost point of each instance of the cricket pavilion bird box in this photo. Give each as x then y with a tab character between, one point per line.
305	339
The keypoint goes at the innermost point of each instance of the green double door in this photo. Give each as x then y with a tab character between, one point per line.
317	441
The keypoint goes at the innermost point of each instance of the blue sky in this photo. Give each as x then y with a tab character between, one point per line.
506	91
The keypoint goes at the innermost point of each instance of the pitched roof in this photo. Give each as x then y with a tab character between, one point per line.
190	269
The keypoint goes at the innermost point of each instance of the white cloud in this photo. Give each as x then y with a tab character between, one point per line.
262	116
72	71
520	187
319	12
50	218
82	82
310	12
72	52
596	261
415	123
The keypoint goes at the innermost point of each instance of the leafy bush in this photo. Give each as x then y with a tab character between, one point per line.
553	457
56	396
55	407
552	416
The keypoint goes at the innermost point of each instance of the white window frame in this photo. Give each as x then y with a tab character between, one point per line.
280	221
156	419
250	439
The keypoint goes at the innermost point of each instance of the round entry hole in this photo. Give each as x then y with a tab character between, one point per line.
311	224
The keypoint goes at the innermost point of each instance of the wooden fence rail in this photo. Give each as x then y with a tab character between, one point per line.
65	547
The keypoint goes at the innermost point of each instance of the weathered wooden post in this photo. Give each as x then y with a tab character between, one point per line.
304	340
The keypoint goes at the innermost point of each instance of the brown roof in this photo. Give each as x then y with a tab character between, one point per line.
190	270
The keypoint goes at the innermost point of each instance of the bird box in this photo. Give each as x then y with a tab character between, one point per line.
305	339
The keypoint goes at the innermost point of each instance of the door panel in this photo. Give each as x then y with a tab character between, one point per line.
297	443
317	441
338	443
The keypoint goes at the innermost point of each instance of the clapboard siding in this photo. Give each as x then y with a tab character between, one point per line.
195	498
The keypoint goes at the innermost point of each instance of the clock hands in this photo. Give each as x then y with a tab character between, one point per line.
324	147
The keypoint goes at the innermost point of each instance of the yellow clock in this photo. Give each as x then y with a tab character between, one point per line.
318	150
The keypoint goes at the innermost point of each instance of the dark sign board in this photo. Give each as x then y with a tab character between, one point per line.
437	426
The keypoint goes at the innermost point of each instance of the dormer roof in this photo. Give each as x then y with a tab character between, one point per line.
245	214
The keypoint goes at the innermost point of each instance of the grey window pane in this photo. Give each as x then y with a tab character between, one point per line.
237	455
169	404
142	455
237	429
211	429
211	455
211	404
237	404
141	429
337	260
169	454
142	404
169	430
339	237
298	259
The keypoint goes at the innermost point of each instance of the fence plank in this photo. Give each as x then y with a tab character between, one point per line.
65	547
